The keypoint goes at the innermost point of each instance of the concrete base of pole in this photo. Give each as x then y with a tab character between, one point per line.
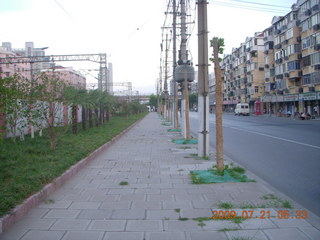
165	112
183	118
203	139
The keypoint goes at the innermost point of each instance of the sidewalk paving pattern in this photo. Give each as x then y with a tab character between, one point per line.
159	196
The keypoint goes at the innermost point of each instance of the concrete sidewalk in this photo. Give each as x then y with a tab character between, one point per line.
159	201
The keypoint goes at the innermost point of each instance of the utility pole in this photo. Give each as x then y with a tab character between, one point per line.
165	87
175	88
160	88
203	81
183	52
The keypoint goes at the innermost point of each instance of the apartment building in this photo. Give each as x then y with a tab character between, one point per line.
68	75
243	73
7	70
278	70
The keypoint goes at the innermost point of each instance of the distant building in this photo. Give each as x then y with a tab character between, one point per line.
110	78
7	70
68	75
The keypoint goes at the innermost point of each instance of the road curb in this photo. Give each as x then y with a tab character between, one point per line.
21	210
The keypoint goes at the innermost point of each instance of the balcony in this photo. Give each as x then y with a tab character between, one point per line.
307	12
316	27
278	46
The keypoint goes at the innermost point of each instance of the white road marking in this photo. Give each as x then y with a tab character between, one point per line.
279	138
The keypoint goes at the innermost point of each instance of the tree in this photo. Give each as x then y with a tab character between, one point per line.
50	91
193	99
15	100
218	45
153	101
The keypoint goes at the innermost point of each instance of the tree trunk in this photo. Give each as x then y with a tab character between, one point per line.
219	134
107	116
96	117
90	119
83	120
52	138
74	119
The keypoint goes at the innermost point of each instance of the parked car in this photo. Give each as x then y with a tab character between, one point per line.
242	109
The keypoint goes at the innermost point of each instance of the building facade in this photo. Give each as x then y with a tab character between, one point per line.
278	70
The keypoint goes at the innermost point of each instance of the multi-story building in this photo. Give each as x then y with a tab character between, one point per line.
243	73
68	75
291	42
280	66
7	70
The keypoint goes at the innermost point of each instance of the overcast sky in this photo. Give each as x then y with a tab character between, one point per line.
129	31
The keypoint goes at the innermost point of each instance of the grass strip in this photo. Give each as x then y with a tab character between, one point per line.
29	165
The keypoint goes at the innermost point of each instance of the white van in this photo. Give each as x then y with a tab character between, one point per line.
242	109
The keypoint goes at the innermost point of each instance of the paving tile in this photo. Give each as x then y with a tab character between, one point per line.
217	196
83	235
160	197
146	205
104	198
41	235
247	234
13	233
285	233
194	213
129	214
37	213
188	197
108	225
147	191
181	226
257	224
85	205
35	223
312	232
116	205
163	214
135	196
55	204
124	236
144	225
165	236
120	191
214	225
284	223
62	213
178	204
99	214
70	224
209	235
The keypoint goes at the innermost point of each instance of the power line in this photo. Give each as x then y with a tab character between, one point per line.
263	4
260	9
64	10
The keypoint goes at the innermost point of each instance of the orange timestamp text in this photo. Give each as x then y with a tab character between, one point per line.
259	214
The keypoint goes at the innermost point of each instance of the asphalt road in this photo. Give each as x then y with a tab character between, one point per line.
283	152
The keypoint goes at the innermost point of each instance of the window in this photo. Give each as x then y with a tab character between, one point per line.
315	39
315	19
306	79
315	58
256	89
293	65
305	43
277	55
306	61
313	2
289	33
305	25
